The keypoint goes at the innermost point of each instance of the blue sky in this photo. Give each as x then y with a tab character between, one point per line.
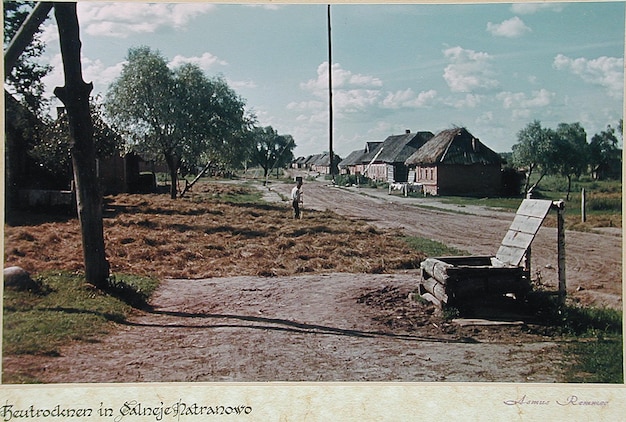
491	68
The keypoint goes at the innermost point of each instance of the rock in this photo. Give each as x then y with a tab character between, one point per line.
17	278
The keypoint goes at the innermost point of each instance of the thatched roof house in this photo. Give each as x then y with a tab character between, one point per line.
454	162
385	160
389	162
356	161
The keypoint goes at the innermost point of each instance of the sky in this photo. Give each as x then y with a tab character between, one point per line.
491	68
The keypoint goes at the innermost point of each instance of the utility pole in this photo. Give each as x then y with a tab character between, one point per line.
330	102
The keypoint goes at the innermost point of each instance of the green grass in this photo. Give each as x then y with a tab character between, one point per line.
597	361
598	353
67	309
593	346
432	247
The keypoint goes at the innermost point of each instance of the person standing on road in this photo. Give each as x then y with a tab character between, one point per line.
296	198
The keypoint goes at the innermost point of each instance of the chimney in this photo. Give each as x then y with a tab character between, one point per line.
407	131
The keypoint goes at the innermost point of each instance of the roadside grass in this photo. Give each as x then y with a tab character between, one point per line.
66	308
598	352
603	202
431	247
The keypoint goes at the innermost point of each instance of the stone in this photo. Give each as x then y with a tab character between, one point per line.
17	278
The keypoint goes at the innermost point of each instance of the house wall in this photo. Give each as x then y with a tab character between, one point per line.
427	177
112	174
469	180
377	171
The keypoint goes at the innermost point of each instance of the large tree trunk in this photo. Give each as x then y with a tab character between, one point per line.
75	97
172	164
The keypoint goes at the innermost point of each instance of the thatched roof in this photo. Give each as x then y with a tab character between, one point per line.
454	146
397	148
352	159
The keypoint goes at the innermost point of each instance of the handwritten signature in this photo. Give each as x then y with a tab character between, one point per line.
572	400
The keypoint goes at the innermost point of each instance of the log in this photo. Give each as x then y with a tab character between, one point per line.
432	286
432	299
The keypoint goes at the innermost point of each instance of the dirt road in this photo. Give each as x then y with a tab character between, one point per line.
338	327
593	260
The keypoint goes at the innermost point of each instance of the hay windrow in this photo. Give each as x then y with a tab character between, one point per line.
203	236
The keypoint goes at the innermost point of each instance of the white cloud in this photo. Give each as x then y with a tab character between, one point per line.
510	28
531	8
408	99
205	62
125	19
352	92
607	72
469	101
306	105
521	101
241	84
469	70
101	75
342	80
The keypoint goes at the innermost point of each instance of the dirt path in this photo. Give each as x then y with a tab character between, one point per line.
336	327
307	328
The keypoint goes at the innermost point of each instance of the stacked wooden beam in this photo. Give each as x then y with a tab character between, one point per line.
454	280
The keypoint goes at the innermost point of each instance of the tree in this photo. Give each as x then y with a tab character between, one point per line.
571	152
75	95
178	115
271	149
53	153
535	151
24	80
604	150
213	121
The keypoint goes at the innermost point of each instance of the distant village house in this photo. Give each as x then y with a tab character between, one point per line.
454	162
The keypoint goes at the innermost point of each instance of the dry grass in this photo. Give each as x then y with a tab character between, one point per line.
204	236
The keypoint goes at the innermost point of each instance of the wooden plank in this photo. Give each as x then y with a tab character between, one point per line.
510	256
526	224
524	227
516	239
534	207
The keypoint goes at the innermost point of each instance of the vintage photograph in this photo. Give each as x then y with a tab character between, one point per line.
399	193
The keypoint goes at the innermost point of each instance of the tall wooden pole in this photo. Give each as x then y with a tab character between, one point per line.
75	97
330	101
560	223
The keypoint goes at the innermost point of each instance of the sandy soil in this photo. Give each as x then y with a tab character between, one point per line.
340	327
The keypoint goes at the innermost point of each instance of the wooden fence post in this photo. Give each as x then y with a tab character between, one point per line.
583	206
560	207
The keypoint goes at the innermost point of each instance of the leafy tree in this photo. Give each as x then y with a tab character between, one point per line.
603	150
180	115
536	151
25	79
271	149
571	152
53	153
213	125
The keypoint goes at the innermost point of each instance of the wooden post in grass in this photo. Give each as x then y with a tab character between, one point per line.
583	206
560	208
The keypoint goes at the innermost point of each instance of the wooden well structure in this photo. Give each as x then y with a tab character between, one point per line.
455	280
